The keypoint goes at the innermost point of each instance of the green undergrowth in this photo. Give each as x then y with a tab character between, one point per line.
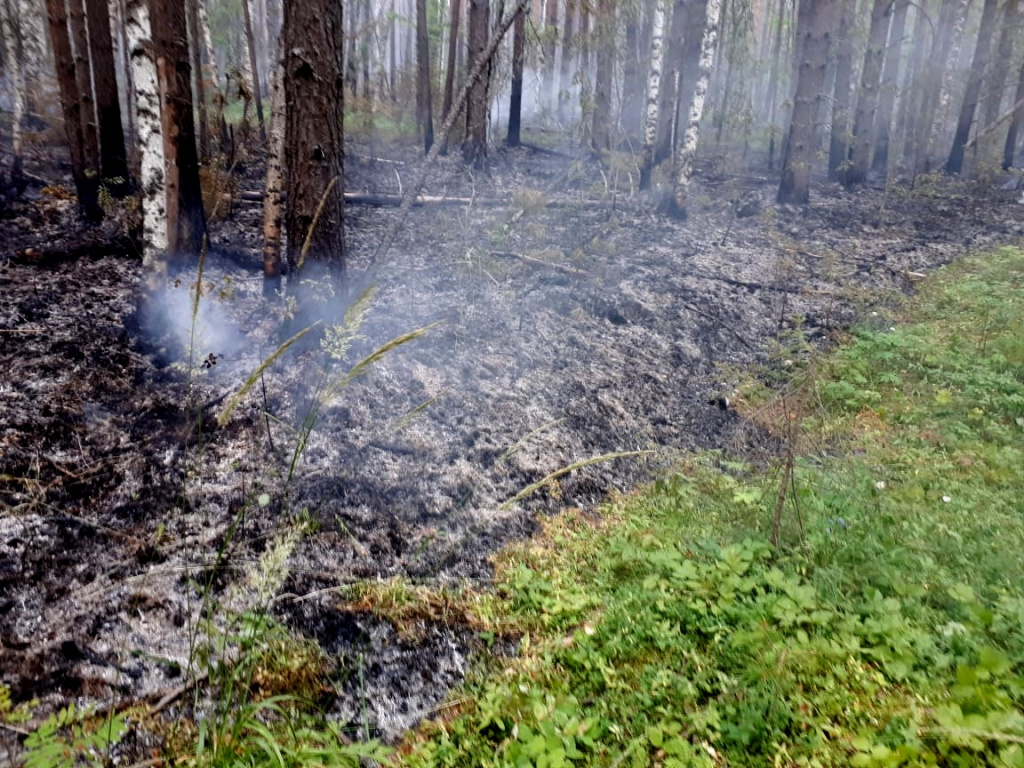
885	629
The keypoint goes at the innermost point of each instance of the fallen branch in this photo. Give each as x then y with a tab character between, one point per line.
120	246
567	469
537	262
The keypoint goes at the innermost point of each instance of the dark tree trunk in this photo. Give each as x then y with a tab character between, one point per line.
1011	25
671	93
314	129
515	107
250	44
474	147
890	84
601	137
113	157
838	150
566	70
424	109
814	31
867	98
1010	148
969	105
632	85
197	75
83	77
86	178
449	75
170	40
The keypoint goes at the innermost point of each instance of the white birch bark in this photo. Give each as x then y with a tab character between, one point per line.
8	22
688	152
152	176
653	92
275	178
946	89
211	60
244	62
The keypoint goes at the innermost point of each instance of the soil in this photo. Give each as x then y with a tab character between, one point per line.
573	322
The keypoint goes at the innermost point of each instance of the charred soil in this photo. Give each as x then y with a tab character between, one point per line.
569	322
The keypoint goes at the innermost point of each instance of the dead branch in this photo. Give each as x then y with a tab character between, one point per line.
538	262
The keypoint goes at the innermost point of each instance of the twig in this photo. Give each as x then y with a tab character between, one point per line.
567	469
538	262
718	321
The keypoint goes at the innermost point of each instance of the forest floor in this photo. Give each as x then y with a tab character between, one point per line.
571	322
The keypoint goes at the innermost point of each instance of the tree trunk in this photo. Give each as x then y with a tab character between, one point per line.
670	91
773	84
867	99
653	94
911	102
31	26
566	72
947	66
601	134
1010	148
214	74
113	156
449	75
314	129
550	44
1001	66
274	183
688	153
250	45
474	147
186	230
197	77
83	77
364	57
814	26
631	109
86	177
424	111
969	105
515	107
8	25
890	84
147	106
838	150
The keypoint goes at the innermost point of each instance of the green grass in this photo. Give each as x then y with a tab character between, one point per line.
886	629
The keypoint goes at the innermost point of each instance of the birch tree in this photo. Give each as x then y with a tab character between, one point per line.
688	151
867	99
152	180
969	105
889	86
653	93
947	67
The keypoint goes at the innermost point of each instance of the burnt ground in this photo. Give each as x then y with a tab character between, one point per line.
122	499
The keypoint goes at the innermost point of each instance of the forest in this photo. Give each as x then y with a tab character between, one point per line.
511	383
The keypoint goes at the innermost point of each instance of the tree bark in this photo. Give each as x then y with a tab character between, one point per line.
946	65
314	129
147	105
671	94
601	133
889	86
474	147
187	230
113	156
250	45
566	69
969	105
449	75
424	111
773	84
86	177
911	101
83	77
688	152
867	99
838	150
814	26
274	182
214	74
197	77
1010	148
1011	25
549	48
515	108
8	26
653	94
